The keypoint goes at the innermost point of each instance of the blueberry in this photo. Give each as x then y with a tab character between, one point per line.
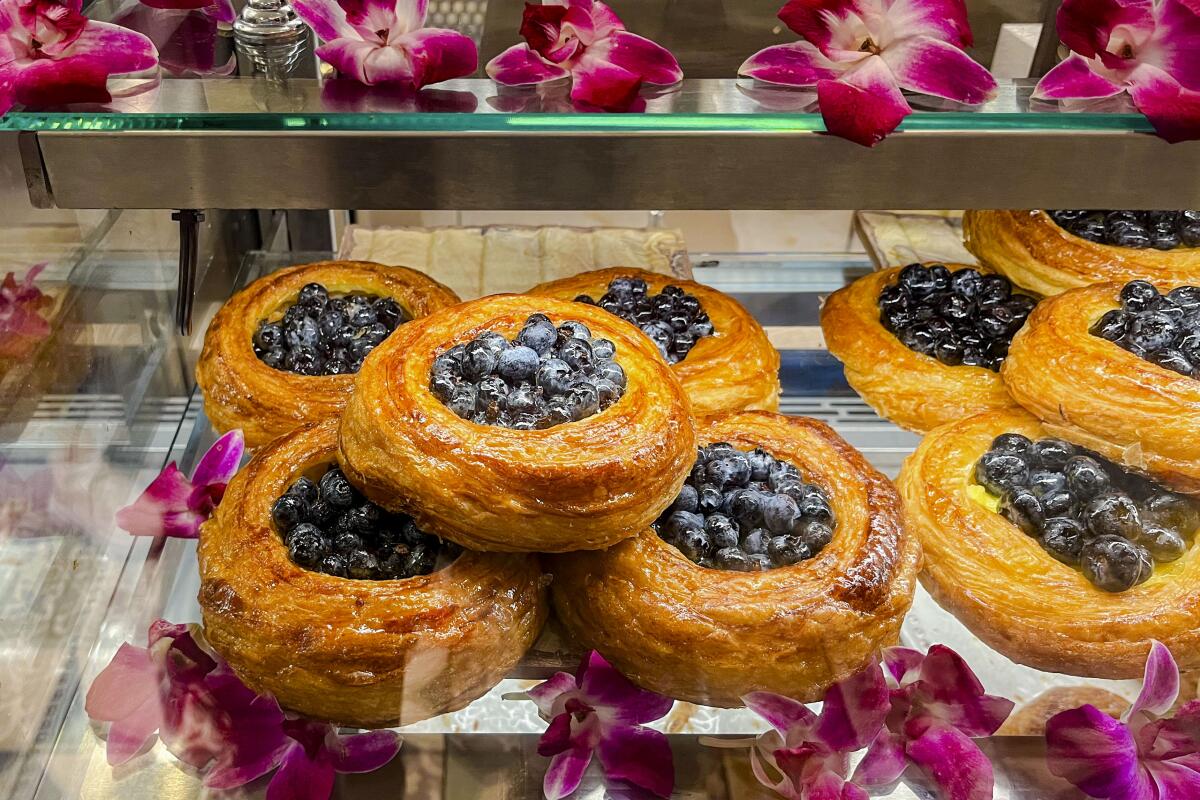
314	295
346	542
490	393
522	400
1152	330
389	312
1112	326
1085	477
607	393
375	333
760	464
787	550
288	512
746	508
333	564
1137	296
710	498
1000	471
360	311
1022	508
731	558
462	402
268	336
1063	537
577	353
421	560
781	473
576	329
1044	482
1164	544
538	336
554	377
1057	504
1115	564
304	333
305	489
362	565
694	544
1171	511
274	357
688	499
1112	514
756	541
728	471
307	545
1011	443
611	371
814	533
558	412
1051	454
721	531
918	280
443	386
479	359
780	513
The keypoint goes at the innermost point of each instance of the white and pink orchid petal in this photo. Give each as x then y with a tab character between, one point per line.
47	82
128	736
777	782
1174	737
864	104
388	65
1174	781
168	493
366	752
923	64
565	772
831	25
639	756
1160	684
112	49
949	689
603	84
604	20
122	686
637	54
557	737
953	762
1175	46
220	462
301	778
553	31
884	761
901	662
438	54
545	693
780	712
410	14
1073	78
348	56
615	697
792	64
1173	110
326	18
1096	753
942	19
854	710
1085	26
520	65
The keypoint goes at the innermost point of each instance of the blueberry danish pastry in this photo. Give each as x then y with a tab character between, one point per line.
1051	553
284	350
781	565
923	344
347	612
1049	252
720	352
520	423
1117	369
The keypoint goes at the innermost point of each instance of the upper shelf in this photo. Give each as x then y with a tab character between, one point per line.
719	144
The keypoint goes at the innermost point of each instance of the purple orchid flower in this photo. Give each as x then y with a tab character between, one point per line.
1142	756
599	710
220	10
50	54
21	322
1148	48
938	706
314	753
861	53
385	41
174	506
586	41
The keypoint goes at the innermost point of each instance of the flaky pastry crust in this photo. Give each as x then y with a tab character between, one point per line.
1013	594
734	369
711	636
581	485
1031	250
915	391
1094	392
360	653
240	391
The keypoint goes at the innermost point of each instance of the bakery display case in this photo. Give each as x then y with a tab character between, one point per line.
364	441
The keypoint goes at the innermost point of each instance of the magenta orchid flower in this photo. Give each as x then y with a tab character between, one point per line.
860	54
586	41
1142	756
1148	48
21	322
220	10
385	41
315	753
50	54
598	710
174	506
938	708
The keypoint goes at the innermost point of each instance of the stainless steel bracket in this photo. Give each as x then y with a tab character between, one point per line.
34	169
189	220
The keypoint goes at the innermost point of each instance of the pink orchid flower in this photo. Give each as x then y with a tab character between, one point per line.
938	707
860	54
174	506
599	710
1149	48
585	40
21	323
50	54
807	757
385	41
315	753
220	10
1142	756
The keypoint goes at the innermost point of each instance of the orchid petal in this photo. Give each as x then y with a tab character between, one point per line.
758	768
884	761
604	20
166	495
942	19
854	709
864	105
326	18
901	661
438	54
1086	25
123	685
521	66
542	29
958	696
410	14
615	698
1174	781
1178	736
781	713
1160	684
603	84
221	10
348	56
48	82
1176	43
253	742
566	772
545	693
637	54
366	752
953	762
557	737
112	48
387	65
818	21
1096	753
221	460
922	64
301	778
1173	110
792	64
128	735
640	756
1074	78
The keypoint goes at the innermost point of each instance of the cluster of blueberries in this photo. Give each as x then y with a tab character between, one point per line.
329	527
747	512
1162	328
1085	510
1163	230
962	317
673	319
323	335
546	376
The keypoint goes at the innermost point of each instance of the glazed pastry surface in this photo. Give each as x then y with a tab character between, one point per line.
580	485
1032	251
709	635
915	391
364	653
1097	394
1014	595
240	391
735	368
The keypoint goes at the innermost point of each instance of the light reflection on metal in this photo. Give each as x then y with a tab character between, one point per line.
270	35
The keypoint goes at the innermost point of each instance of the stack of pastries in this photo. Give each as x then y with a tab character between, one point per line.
1057	490
377	560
